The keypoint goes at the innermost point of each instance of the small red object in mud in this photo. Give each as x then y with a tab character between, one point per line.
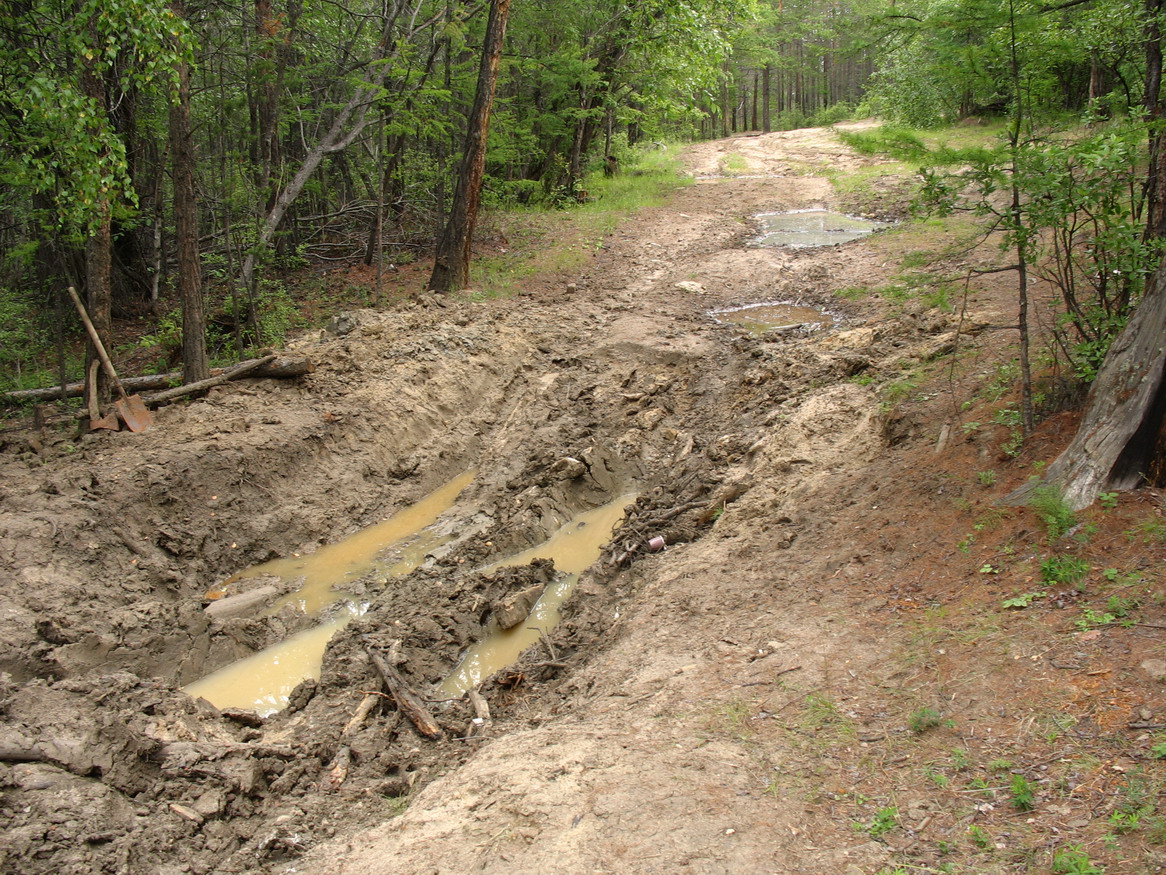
656	544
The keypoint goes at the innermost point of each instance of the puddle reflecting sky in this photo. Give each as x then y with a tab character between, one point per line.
802	229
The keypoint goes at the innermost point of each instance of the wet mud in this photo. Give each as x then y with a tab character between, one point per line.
562	400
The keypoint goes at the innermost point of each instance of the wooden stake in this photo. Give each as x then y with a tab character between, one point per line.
407	701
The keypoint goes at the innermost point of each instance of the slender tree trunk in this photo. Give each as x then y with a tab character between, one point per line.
99	253
756	88
267	100
766	122
99	292
1156	177
194	358
451	267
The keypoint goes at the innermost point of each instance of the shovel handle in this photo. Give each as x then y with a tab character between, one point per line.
101	354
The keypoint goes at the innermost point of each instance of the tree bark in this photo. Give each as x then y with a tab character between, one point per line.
451	267
194	357
1115	442
766	122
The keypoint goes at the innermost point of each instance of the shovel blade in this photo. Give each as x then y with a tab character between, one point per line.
108	421
134	414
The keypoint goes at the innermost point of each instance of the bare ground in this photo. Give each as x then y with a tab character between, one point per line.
817	676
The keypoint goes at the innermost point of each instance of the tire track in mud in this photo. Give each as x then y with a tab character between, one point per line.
607	751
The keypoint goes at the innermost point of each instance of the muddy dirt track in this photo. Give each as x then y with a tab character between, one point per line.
653	732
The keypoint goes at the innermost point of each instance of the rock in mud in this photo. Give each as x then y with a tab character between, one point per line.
516	607
242	604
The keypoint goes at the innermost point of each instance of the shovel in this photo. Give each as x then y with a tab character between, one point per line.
96	420
131	408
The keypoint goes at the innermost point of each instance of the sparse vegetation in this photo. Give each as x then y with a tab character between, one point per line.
1052	509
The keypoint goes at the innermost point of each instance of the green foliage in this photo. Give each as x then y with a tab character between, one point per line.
924	719
1074	861
884	820
61	145
980	837
1063	570
1053	510
1022	601
1023	794
900	143
1091	619
1077	224
23	347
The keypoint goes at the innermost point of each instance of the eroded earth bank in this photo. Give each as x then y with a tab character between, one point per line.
716	706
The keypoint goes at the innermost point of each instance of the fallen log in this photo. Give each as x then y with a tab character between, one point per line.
240	370
277	368
407	701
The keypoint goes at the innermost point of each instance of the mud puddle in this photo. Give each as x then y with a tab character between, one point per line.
806	229
263	681
397	545
573	548
772	316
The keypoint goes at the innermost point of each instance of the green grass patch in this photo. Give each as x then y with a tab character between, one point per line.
647	177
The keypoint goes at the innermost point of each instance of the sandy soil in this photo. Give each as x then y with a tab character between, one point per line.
816	676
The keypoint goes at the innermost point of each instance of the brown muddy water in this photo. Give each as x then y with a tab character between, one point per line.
397	545
573	548
804	229
264	681
769	316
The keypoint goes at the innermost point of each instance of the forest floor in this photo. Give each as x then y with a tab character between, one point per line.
819	674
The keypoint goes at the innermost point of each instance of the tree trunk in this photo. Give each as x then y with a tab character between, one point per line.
766	122
451	267
1156	176
99	294
1123	413
194	358
99	254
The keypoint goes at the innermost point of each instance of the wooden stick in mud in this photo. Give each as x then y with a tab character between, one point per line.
407	701
202	385
360	714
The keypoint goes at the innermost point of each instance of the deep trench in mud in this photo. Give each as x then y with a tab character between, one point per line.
92	703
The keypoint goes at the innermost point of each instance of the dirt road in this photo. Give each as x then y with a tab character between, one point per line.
731	704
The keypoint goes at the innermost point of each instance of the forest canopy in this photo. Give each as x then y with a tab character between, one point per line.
156	152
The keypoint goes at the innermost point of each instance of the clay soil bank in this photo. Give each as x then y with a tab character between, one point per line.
818	675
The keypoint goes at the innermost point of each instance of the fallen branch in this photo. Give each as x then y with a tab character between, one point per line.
239	370
360	714
407	701
277	368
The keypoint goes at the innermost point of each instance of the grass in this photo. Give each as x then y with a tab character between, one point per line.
734	164
581	228
923	720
